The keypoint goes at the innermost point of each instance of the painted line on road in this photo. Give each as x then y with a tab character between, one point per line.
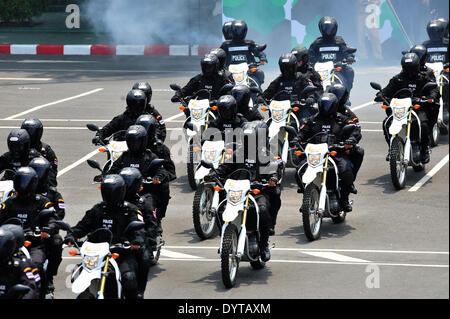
173	254
335	256
362	106
331	250
430	174
52	127
81	160
53	103
26	79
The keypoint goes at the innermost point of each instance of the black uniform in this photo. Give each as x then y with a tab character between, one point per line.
27	211
324	50
292	86
118	123
212	83
312	76
161	131
47	152
7	161
116	220
19	270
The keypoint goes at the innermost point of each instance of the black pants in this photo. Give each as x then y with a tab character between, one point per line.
356	156
38	254
345	169
54	248
349	75
134	270
269	204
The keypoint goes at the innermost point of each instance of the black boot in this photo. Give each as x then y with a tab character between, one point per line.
265	252
425	155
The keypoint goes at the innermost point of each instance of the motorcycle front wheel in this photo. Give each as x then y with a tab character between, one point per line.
229	259
312	221
397	167
204	220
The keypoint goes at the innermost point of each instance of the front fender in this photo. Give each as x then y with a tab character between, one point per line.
396	126
311	173
201	172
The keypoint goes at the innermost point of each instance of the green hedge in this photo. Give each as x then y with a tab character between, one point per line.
20	11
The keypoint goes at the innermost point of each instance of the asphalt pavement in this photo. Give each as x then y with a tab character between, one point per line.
393	245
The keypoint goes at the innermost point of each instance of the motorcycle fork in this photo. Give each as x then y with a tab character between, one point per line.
243	232
103	281
323	188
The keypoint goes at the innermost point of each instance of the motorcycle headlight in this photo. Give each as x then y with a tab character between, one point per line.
277	115
314	159
197	113
90	262
235	196
399	112
210	156
238	77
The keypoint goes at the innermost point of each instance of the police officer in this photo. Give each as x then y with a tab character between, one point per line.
330	47
26	205
20	153
222	56
355	151
210	79
411	77
54	245
437	44
136	104
242	95
151	109
15	269
328	120
114	213
305	69
35	129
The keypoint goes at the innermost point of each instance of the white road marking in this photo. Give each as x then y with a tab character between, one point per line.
362	106
81	160
335	250
430	174
173	254
52	127
26	79
335	256
53	103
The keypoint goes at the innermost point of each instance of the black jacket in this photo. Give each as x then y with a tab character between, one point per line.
292	86
199	82
437	51
312	76
242	51
18	270
48	153
8	162
163	152
161	131
57	201
119	123
324	50
115	219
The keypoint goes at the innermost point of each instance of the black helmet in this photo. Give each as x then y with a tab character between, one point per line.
288	65
221	55
42	168
136	138
18	143
136	101
227	108
341	93
241	94
150	124
239	29
226	30
302	55
133	180
144	87
35	129
436	30
7	244
410	65
328	105
25	181
421	52
17	232
328	27
113	189
209	64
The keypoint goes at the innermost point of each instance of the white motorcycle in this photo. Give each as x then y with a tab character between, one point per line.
98	276
206	198
114	147
441	127
240	230
6	186
201	113
405	131
321	194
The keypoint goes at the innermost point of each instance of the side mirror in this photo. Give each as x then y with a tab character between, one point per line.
262	47
92	127
94	164
17	291
308	90
175	87
375	86
429	86
133	226
350	50
207	165
44	215
225	89
255	90
156	162
63	225
290	130
404	52
347	130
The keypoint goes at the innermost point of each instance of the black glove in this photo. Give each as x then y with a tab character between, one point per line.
293	141
310	101
260	100
379	97
350	141
210	178
69	239
97	140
